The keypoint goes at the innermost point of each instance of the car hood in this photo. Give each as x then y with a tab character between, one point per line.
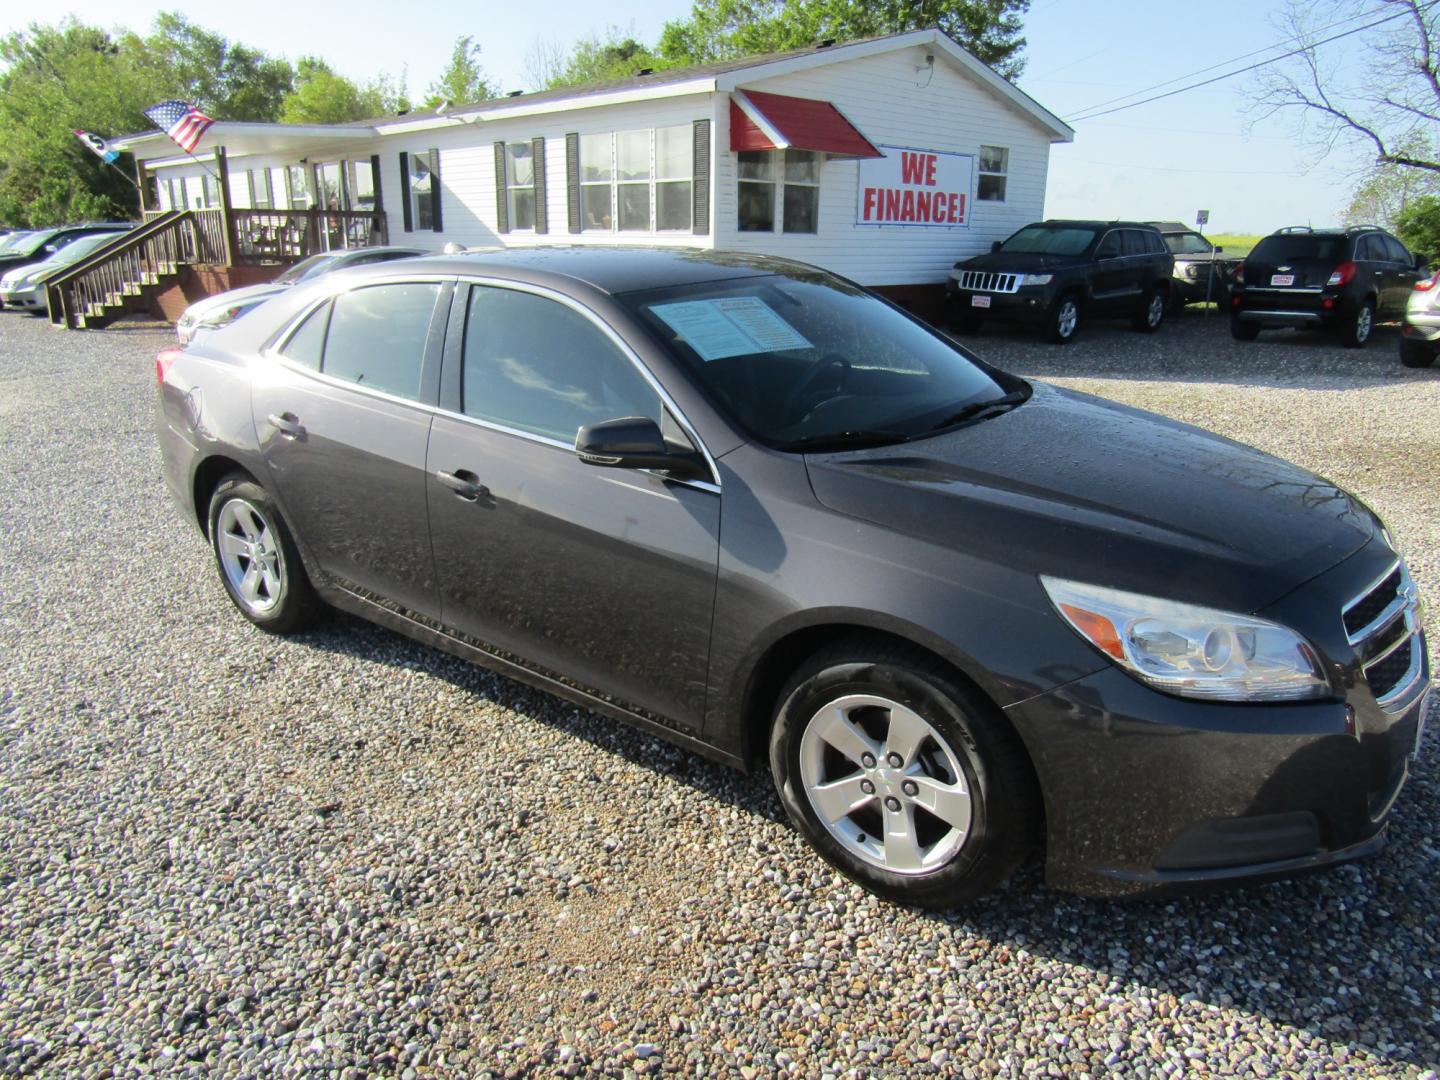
1019	262
249	294
1078	487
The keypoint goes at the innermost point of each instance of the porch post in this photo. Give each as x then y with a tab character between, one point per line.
142	181
227	215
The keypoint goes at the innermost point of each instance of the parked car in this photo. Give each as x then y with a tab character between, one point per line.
210	314
1200	274
1420	330
42	243
23	288
758	511
1342	280
1055	273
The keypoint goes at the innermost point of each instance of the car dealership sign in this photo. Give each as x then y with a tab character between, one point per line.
916	188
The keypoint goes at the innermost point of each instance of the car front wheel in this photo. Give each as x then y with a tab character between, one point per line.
1063	320
257	559
1356	332
908	782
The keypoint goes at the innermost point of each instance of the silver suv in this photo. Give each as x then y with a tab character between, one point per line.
1420	331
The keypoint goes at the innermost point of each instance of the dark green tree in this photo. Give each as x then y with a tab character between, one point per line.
323	96
1419	226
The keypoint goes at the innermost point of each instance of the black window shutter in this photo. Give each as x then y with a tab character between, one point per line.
572	181
435	189
375	182
405	191
700	182
537	166
502	204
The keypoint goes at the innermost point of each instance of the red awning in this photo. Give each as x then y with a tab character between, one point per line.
772	122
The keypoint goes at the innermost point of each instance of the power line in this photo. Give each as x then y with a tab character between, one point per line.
1241	71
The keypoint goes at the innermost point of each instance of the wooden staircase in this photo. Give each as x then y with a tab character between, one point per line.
122	276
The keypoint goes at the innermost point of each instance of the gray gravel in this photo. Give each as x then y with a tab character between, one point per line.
345	854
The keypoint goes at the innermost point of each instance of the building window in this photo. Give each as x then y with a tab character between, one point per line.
263	199
994	164
420	202
212	190
332	186
299	187
520	184
638	181
362	186
779	190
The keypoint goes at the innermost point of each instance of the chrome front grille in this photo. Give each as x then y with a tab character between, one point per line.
1383	624
983	281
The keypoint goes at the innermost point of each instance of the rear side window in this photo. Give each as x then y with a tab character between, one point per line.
536	365
1294	247
1133	242
377	336
306	344
1371	248
1396	251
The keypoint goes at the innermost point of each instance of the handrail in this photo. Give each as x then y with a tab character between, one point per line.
162	242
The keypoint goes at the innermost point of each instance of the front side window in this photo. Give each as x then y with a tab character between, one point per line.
779	190
537	365
377	336
307	344
994	167
520	184
1110	247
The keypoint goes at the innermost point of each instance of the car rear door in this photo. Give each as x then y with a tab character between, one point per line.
602	577
342	412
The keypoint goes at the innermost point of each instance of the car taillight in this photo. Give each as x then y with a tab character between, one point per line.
163	361
1426	284
1240	273
1342	274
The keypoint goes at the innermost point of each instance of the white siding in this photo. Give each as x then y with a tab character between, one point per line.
894	100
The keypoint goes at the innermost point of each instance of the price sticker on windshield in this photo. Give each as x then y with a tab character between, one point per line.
733	326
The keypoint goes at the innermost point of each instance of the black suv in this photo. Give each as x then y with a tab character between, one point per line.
1200	273
1055	272
1337	279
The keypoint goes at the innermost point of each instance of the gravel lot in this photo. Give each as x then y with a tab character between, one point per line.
345	854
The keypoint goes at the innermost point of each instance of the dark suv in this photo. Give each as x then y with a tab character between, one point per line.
1337	279
1201	274
1055	272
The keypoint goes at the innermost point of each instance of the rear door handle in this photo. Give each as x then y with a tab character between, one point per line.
288	424
464	483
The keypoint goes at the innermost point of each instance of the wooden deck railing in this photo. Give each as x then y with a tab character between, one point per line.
287	236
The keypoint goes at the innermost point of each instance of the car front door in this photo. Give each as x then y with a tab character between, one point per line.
343	413
602	577
1112	277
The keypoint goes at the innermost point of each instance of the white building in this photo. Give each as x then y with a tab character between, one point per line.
884	160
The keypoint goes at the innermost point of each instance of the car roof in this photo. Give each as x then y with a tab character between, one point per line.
611	270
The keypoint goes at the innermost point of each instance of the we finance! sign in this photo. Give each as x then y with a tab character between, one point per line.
916	188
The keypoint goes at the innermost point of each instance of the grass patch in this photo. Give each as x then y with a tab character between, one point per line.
1234	243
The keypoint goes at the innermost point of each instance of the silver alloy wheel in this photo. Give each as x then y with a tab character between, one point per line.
885	784
1364	323
1155	312
1067	318
249	552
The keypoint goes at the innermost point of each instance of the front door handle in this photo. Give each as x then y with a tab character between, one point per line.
464	483
288	424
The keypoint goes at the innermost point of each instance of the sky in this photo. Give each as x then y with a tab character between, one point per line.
1200	150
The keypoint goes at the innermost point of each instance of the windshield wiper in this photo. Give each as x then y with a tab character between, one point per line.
979	408
845	440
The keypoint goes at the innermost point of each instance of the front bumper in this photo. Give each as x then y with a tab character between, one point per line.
1030	302
1151	794
28	297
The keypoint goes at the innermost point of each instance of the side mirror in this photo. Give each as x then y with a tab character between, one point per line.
1219	250
635	442
996	245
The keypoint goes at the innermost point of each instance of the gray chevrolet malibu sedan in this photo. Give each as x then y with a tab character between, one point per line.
758	511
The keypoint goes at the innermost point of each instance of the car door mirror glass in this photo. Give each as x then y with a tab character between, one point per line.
634	442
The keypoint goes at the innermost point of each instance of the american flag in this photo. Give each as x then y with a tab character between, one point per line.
182	121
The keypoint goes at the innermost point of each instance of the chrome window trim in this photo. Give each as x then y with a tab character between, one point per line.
623	346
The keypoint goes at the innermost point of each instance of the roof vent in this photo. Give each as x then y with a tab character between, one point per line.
826	43
515	93
646	71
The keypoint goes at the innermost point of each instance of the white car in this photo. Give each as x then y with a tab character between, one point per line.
24	287
208	315
1420	330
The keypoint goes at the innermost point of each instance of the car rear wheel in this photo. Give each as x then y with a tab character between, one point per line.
257	559
1356	331
1063	319
1149	318
1418	354
910	783
1241	330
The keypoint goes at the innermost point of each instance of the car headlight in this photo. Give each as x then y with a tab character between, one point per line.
1192	271
1191	651
1036	279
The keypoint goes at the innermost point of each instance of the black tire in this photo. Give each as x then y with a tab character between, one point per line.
1004	815
1063	319
285	601
1148	319
1418	354
1241	330
1357	329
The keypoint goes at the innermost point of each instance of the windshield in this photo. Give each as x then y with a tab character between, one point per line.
314	266
30	243
1291	248
807	358
8	242
1049	240
78	249
1187	243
